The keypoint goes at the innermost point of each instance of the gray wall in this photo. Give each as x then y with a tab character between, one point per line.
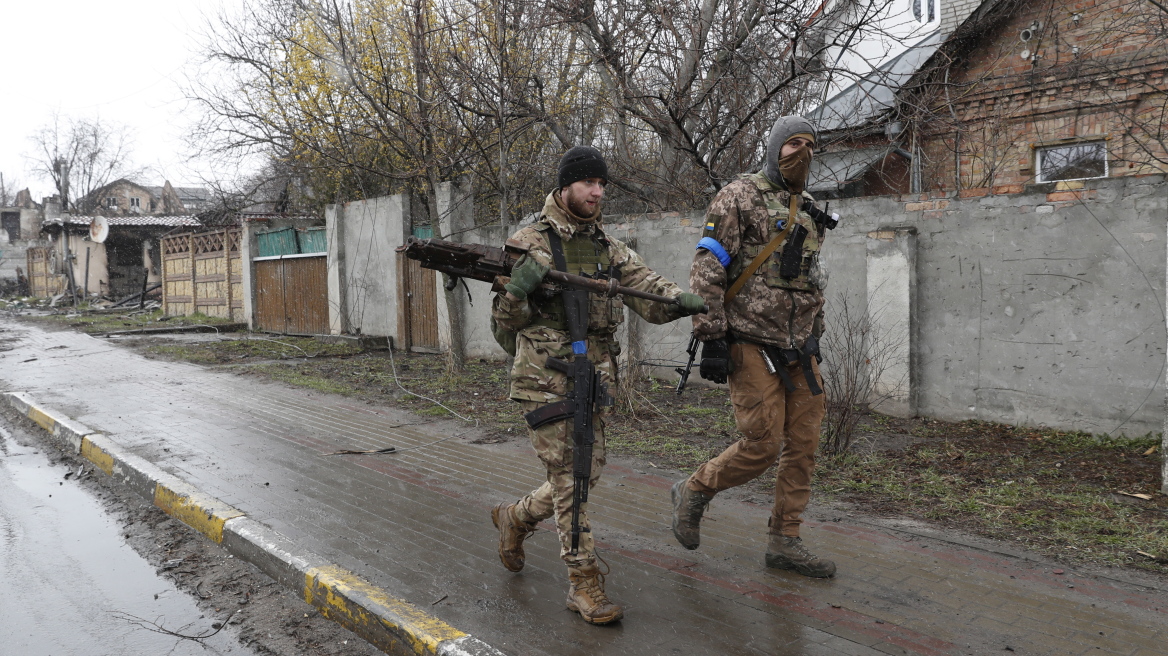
1036	308
362	270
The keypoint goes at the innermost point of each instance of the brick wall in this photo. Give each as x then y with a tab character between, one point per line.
1006	96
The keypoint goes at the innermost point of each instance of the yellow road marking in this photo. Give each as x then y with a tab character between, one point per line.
205	514
328	588
99	458
46	422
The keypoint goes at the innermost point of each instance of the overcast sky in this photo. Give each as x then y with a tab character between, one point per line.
120	60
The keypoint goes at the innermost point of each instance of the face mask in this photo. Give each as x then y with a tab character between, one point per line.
795	167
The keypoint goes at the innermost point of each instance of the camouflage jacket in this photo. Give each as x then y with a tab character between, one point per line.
768	309
531	380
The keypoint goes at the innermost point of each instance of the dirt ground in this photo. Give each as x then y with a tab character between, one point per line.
268	618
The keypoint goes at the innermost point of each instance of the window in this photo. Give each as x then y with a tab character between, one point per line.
924	10
111	202
1072	162
135	202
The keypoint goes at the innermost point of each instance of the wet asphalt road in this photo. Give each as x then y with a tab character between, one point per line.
71	584
416	523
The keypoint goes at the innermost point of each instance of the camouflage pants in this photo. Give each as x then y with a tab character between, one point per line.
775	425
553	445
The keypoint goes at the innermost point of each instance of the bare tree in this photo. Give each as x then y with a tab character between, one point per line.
859	353
9	187
704	80
81	155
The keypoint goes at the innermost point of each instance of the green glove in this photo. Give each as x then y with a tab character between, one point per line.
525	277
691	304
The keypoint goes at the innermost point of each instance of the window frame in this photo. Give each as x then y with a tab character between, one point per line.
1041	148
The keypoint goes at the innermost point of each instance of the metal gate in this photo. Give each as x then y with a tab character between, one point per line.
417	306
292	294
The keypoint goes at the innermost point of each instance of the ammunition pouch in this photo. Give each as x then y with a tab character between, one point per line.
791	261
550	413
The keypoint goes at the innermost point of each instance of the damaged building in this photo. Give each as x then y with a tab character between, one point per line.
117	267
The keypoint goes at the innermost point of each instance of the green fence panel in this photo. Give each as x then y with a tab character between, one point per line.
277	242
313	240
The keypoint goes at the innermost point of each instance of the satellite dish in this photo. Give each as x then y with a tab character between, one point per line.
98	229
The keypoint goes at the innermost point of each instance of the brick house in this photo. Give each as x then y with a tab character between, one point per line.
124	197
1004	94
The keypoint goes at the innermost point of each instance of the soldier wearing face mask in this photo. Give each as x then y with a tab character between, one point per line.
757	267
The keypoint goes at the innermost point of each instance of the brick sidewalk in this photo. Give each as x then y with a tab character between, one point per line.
416	523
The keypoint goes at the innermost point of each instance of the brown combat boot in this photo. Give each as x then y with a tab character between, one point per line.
586	595
789	553
688	507
512	533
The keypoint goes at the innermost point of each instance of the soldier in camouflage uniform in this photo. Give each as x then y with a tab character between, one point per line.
765	341
573	213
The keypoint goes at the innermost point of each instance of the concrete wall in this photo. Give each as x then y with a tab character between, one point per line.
1044	307
362	236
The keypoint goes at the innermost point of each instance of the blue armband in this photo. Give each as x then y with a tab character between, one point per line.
712	245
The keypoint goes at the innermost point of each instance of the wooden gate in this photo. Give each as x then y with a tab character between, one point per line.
203	272
292	294
41	281
417	306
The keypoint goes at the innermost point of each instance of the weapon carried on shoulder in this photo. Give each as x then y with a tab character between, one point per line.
589	394
493	264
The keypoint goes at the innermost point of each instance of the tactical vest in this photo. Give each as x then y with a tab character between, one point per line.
584	255
802	271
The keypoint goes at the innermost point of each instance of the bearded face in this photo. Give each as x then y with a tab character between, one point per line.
582	198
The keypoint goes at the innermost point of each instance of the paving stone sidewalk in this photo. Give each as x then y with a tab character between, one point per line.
417	523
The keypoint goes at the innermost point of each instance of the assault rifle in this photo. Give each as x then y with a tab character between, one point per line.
589	394
683	372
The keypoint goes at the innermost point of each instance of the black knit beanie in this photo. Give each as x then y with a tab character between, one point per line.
581	163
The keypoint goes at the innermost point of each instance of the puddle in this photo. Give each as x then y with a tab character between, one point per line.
71	582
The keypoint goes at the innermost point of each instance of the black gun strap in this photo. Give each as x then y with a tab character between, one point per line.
557	248
809	374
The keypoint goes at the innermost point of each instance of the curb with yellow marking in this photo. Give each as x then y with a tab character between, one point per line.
393	625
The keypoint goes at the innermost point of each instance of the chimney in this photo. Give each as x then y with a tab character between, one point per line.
52	205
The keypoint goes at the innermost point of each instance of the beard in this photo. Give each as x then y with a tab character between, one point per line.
578	207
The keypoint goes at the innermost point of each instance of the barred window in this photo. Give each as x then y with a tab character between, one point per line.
1072	162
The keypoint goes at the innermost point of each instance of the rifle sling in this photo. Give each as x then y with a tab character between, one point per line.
766	252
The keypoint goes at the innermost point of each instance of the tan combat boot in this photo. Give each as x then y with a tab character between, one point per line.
789	553
512	533
688	508
586	595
